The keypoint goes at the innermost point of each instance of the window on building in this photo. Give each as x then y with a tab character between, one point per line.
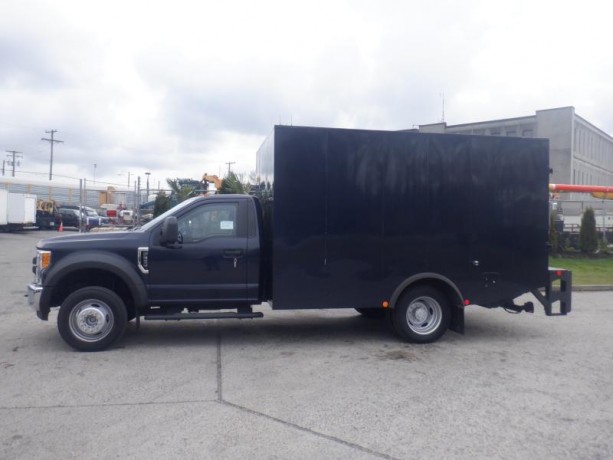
527	133
494	132
511	132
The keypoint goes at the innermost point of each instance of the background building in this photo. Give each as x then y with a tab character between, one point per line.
579	152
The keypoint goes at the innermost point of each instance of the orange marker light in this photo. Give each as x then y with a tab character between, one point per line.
385	304
45	259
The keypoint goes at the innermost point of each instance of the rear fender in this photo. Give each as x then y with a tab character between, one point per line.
446	286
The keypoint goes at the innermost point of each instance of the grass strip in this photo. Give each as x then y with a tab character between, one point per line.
586	271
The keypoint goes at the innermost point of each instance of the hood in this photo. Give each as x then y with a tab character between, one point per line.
93	240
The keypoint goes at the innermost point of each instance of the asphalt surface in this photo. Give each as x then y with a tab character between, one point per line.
322	384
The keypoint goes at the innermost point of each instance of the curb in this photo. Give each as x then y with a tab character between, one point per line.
593	287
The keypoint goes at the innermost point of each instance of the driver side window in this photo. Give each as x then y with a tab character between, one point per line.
208	221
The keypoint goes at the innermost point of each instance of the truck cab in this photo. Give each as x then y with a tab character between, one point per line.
204	254
214	260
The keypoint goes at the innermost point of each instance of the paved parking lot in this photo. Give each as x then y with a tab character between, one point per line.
323	384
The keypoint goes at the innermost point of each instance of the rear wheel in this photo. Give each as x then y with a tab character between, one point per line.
92	318
422	315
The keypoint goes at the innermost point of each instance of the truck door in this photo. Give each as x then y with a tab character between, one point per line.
209	265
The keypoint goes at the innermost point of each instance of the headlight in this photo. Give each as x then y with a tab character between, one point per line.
43	261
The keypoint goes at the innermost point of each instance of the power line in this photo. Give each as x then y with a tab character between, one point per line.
51	141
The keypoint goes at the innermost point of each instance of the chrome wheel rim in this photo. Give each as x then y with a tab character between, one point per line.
424	315
91	320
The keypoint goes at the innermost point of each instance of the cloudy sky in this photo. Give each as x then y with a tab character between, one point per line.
179	88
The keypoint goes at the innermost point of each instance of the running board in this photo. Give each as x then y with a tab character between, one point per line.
215	315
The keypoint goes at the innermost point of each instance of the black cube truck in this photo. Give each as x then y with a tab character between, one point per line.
407	225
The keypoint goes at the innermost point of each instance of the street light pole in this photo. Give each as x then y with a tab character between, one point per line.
147	197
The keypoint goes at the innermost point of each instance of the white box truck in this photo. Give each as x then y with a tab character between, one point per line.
20	211
4	198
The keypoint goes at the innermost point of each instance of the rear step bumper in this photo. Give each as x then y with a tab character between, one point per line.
557	293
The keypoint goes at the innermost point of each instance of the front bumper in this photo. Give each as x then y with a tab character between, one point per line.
33	294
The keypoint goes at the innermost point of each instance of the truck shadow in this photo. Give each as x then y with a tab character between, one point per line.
288	329
311	328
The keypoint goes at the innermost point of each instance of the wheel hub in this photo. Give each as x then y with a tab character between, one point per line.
420	313
424	315
91	320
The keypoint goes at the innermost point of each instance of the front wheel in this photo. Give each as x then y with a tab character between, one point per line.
422	315
92	318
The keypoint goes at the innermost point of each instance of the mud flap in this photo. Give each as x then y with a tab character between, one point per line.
457	320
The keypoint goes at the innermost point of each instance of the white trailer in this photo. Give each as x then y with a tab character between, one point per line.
4	199
21	211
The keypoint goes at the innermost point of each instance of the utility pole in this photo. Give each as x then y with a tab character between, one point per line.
230	163
51	141
147	196
14	154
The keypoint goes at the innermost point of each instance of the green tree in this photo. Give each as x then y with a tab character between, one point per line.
232	184
180	191
588	236
162	204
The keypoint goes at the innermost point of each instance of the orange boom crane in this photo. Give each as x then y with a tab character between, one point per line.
597	191
206	178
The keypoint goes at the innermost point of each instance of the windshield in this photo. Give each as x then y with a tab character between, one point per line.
171	211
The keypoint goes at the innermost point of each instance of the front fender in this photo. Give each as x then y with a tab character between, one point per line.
99	260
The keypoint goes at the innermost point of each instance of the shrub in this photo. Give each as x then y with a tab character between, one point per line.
553	234
588	237
162	204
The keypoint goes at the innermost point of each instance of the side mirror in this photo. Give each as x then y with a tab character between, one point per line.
170	230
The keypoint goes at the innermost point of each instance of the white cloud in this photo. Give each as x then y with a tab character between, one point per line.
181	88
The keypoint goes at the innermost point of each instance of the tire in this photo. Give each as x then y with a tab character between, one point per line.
422	315
372	313
92	318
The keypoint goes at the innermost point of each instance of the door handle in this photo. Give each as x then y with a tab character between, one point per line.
233	253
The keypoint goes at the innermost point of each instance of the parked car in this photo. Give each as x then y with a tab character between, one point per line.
91	217
94	219
70	217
